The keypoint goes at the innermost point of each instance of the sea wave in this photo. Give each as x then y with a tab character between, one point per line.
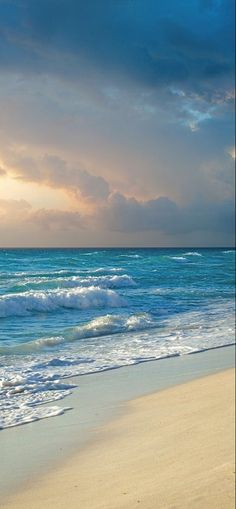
19	304
100	326
43	372
181	258
74	281
107	269
107	281
130	256
109	324
192	253
72	315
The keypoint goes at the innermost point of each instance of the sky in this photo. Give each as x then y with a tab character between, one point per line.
116	123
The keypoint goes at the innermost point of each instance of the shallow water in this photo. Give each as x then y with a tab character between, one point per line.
66	312
29	452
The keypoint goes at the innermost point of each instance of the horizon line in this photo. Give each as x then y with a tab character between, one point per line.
118	247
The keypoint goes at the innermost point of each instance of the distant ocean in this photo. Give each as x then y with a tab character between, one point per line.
66	312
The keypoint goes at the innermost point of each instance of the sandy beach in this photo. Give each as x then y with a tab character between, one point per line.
170	449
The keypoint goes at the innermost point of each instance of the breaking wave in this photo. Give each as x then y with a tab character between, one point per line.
100	326
181	258
111	324
71	314
75	281
19	304
192	253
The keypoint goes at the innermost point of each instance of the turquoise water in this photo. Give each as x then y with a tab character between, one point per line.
66	312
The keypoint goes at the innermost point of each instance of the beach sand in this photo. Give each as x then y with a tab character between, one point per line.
170	449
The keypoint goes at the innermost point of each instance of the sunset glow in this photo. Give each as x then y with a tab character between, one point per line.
131	129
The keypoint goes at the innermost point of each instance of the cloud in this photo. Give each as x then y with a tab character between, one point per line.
21	225
14	210
14	205
231	152
2	172
57	219
121	218
141	94
162	214
55	172
218	176
154	46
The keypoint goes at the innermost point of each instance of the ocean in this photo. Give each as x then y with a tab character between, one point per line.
69	312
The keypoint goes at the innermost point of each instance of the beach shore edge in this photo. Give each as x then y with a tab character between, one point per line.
171	448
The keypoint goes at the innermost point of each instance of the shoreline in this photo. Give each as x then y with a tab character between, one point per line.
170	448
100	397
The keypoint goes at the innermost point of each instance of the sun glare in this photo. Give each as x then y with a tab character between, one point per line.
37	196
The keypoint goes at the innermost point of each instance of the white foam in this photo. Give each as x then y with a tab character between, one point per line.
107	269
192	253
92	253
25	415
30	382
21	395
48	342
115	281
181	258
100	326
132	256
44	301
105	281
111	324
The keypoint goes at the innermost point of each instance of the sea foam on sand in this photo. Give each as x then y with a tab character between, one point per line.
173	448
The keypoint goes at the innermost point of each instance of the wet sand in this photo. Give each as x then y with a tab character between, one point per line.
170	449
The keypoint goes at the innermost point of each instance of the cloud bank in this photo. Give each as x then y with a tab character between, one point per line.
162	214
123	108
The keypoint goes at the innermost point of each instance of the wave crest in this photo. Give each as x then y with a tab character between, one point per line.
20	304
192	253
112	324
103	281
101	326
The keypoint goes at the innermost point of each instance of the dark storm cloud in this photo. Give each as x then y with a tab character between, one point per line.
162	214
186	43
140	93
